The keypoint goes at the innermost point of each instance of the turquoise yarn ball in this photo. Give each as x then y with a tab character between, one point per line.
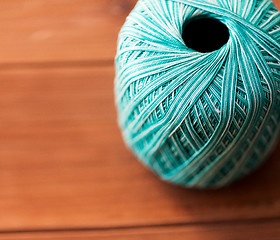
198	111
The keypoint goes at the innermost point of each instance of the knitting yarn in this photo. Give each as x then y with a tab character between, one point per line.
197	87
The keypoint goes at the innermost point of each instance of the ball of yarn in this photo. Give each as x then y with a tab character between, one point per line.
197	87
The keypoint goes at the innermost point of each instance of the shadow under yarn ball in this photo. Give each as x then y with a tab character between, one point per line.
197	88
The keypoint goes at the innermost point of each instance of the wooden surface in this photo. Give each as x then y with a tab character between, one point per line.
65	172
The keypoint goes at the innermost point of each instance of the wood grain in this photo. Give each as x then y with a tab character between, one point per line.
63	164
64	30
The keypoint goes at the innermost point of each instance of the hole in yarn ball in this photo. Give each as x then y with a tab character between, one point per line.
205	34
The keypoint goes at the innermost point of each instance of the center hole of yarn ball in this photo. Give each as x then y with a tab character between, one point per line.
205	34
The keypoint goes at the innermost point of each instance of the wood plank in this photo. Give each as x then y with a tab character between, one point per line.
64	30
233	231
63	163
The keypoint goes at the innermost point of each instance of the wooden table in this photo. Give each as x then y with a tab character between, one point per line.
65	172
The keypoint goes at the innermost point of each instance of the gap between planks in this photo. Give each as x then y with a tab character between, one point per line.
55	65
244	230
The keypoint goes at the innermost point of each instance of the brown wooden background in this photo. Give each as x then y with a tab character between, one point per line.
64	170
